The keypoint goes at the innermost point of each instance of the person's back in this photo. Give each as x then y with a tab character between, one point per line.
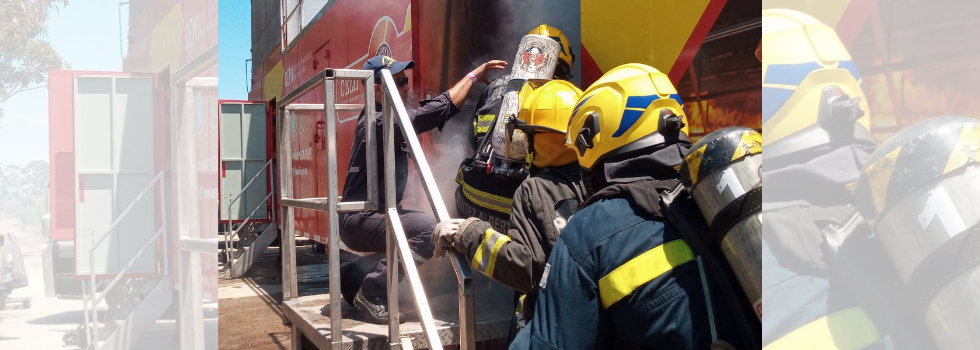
620	276
515	254
485	191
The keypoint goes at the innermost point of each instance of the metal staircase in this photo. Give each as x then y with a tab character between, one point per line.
242	247
246	240
325	326
134	301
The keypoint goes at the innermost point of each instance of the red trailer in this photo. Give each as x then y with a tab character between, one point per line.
133	180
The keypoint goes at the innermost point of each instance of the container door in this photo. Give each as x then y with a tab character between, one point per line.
115	157
243	156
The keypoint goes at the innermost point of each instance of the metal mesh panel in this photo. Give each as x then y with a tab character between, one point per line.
308	9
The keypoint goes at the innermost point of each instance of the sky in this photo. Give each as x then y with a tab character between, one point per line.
85	44
234	44
88	44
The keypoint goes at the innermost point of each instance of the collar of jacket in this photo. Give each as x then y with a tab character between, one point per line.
644	195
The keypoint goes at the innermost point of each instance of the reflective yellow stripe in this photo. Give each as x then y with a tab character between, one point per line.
493	253
751	143
484	199
485	258
967	149
694	162
642	269
486	118
482	123
849	329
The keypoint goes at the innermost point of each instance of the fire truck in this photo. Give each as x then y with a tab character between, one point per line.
133	182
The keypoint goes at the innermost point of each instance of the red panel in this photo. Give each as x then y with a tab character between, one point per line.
854	19
61	148
346	35
694	41
590	69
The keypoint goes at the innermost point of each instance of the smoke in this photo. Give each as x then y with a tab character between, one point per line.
499	39
470	40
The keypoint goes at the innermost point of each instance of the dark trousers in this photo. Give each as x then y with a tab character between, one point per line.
367	232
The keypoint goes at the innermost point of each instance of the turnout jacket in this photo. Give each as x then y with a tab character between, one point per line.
516	256
486	192
621	277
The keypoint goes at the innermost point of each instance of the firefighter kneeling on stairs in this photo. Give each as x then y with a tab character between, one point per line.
516	256
620	276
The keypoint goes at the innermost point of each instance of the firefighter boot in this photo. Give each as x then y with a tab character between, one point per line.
350	281
374	310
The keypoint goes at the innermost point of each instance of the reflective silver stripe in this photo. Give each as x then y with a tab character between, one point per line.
487	200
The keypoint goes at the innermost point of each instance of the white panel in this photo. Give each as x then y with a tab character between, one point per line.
92	221
93	124
253	131
137	227
233	182
256	193
133	129
231	131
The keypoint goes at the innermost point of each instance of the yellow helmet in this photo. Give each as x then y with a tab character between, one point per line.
566	57
811	89
631	107
549	107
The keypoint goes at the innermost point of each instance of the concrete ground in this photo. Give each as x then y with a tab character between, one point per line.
44	323
248	307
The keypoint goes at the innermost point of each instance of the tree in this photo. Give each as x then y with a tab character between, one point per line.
22	191
25	57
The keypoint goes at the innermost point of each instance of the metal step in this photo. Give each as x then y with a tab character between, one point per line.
312	318
125	330
245	235
127	295
247	255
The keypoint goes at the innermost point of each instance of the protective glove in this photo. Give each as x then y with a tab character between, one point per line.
444	236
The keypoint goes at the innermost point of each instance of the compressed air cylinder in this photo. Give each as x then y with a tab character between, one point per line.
536	59
922	186
722	174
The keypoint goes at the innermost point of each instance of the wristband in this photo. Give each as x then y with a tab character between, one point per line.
471	76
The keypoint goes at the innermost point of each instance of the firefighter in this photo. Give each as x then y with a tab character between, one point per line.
365	231
542	204
481	194
821	264
619	275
